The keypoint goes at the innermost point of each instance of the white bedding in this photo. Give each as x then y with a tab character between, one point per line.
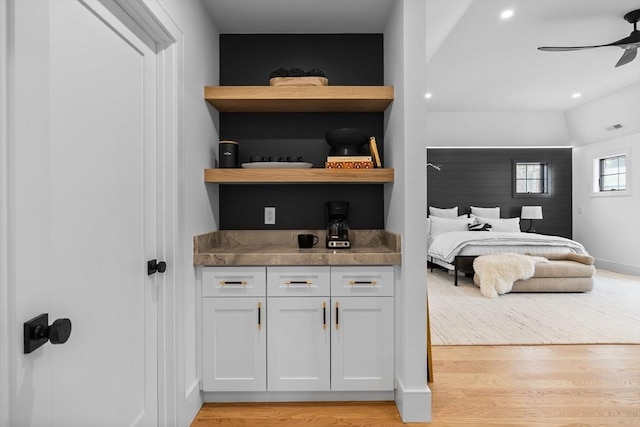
446	246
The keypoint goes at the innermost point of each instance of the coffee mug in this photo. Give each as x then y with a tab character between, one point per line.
307	240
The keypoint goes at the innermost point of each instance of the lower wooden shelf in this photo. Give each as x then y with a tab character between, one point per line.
298	176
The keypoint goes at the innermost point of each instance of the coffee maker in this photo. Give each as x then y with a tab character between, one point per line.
338	226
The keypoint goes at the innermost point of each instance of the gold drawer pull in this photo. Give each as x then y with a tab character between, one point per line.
299	282
233	282
363	282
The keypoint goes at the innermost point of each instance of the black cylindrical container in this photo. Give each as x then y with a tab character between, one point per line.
228	154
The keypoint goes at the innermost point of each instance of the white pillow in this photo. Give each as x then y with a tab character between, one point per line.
443	225
486	212
507	225
443	213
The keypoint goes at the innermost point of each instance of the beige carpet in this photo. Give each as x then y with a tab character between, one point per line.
610	314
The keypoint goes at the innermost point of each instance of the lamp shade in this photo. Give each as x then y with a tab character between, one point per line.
531	212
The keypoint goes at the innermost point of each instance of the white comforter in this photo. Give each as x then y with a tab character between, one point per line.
447	245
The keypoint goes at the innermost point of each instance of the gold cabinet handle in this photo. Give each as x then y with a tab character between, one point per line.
233	282
324	315
299	282
259	315
363	282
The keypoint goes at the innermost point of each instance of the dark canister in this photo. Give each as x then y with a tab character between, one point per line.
228	154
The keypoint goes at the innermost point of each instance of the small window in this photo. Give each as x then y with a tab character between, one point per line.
531	178
612	173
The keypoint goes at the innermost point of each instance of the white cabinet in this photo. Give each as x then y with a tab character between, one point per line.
362	328
311	328
298	354
234	344
362	343
299	344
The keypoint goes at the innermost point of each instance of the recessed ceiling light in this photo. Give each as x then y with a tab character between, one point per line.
576	95
428	95
506	14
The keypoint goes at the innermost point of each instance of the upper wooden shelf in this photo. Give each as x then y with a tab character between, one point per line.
295	176
302	99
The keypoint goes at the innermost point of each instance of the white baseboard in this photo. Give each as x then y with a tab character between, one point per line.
297	396
191	404
414	406
617	267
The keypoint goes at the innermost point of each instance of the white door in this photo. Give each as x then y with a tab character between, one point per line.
234	344
362	343
83	216
299	343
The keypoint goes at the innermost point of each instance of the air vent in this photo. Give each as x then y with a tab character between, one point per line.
615	127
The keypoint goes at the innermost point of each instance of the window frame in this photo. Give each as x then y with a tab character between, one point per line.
617	174
546	181
595	185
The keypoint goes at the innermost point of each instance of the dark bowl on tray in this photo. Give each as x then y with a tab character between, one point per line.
346	141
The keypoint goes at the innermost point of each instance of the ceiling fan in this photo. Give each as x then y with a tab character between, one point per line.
628	44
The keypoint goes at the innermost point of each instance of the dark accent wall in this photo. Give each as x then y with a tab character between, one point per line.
346	59
485	178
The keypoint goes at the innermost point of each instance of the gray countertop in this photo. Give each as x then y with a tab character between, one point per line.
280	247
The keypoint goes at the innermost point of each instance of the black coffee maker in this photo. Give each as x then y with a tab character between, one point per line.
338	226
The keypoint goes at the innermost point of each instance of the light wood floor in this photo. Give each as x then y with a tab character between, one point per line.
481	386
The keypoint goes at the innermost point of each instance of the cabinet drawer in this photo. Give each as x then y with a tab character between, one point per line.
298	281
233	281
373	280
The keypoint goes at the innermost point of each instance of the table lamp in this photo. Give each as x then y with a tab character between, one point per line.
531	213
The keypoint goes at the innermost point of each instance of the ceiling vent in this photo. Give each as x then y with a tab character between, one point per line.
614	127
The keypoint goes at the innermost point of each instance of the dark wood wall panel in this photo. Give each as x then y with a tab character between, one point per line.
346	59
484	177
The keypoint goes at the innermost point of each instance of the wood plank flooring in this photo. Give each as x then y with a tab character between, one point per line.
553	385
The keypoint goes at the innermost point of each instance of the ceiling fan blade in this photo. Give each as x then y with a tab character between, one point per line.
627	56
632	40
564	49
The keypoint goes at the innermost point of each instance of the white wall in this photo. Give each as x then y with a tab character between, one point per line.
587	123
196	202
608	226
479	128
405	201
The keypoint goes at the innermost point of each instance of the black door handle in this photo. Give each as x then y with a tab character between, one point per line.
37	332
154	266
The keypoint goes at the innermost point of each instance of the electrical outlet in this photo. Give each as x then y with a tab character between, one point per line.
270	215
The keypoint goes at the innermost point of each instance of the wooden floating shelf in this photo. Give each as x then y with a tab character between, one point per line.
301	99
298	176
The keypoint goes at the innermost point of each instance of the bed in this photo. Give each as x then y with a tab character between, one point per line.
449	236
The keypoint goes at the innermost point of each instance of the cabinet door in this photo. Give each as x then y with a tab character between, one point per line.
362	343
234	344
299	343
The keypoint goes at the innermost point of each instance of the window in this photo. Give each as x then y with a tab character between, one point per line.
612	173
531	178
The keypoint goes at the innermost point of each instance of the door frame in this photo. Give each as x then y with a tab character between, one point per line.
6	294
148	20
